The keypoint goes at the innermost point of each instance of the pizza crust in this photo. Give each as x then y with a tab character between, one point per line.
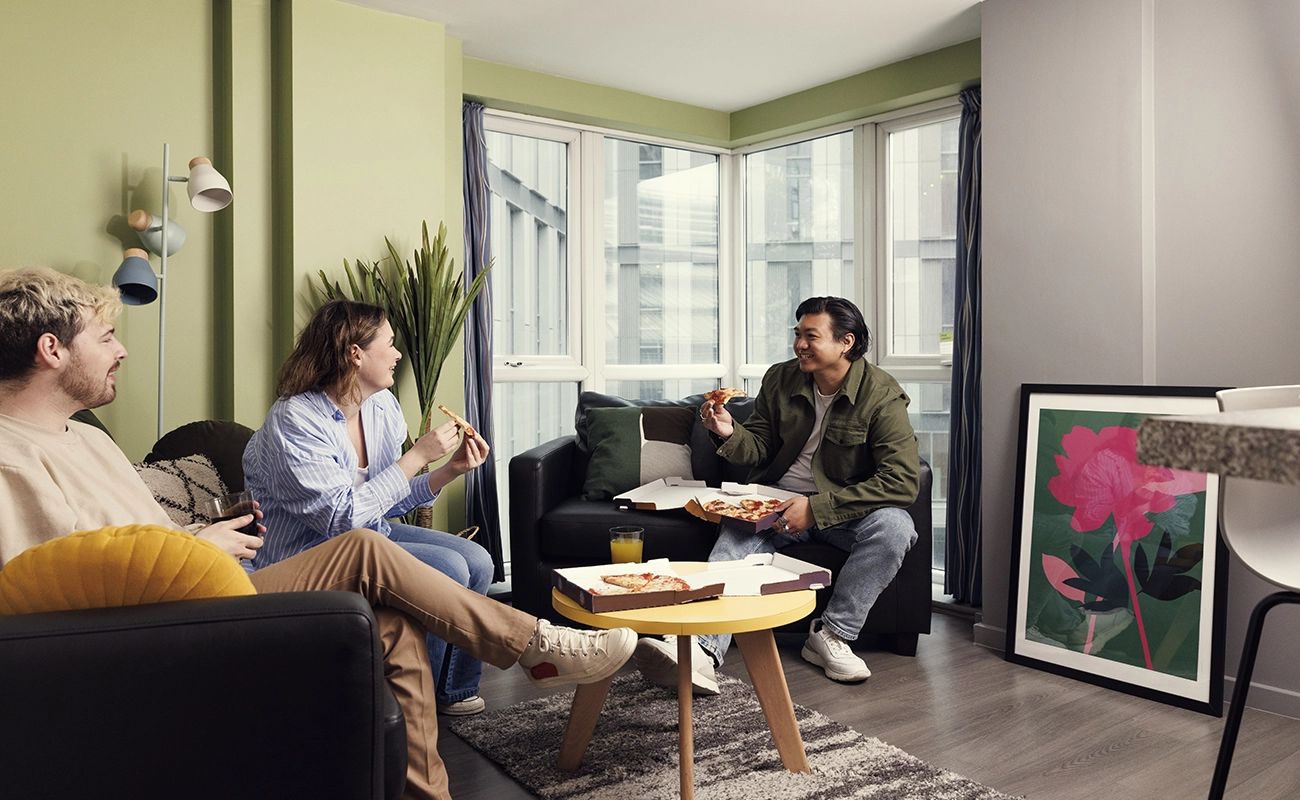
460	421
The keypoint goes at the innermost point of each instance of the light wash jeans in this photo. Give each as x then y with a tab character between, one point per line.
456	674
875	543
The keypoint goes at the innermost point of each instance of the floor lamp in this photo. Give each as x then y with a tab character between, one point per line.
135	279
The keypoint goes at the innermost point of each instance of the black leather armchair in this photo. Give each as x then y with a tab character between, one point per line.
551	526
269	696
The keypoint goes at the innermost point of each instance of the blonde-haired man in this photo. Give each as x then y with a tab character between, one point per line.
58	355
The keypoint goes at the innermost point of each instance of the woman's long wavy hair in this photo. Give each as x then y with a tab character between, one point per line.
322	360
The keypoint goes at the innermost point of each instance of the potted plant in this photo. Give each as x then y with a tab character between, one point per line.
426	301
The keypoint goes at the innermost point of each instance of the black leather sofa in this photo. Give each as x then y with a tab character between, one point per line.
259	697
266	696
552	526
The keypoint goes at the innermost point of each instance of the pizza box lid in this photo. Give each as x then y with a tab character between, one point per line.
767	573
577	584
733	493
660	495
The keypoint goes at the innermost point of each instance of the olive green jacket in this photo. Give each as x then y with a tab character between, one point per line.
867	458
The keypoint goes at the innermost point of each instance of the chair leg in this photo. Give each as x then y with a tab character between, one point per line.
1232	723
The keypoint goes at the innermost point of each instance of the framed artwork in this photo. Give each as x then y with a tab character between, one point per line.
1118	575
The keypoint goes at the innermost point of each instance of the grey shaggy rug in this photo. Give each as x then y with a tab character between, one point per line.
633	753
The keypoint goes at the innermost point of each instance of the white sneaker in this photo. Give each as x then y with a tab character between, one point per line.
558	656
657	660
463	708
833	654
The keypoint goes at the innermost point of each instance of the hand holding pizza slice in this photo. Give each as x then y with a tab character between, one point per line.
460	421
713	413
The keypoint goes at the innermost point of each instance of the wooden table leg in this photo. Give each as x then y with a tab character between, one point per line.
588	700
685	725
758	648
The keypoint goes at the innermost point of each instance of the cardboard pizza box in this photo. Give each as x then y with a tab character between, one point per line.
767	573
733	493
660	495
583	585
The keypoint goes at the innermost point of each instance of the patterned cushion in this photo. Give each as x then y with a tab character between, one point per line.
126	566
182	486
633	446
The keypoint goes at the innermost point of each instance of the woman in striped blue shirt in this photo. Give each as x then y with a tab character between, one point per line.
329	459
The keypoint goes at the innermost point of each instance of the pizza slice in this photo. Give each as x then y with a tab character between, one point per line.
721	397
647	582
460	421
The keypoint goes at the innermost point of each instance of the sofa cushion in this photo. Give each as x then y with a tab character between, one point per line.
221	440
126	566
183	486
705	464
633	446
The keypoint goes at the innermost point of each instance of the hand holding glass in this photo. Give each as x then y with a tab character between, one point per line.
230	506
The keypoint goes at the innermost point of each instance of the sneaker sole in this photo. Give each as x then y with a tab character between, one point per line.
621	642
462	710
812	657
652	658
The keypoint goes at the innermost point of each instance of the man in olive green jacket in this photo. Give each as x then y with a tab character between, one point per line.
833	428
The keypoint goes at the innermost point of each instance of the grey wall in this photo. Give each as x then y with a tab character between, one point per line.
1141	225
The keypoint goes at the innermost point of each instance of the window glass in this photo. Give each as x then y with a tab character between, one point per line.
674	389
798	236
922	238
929	413
529	179
525	415
661	255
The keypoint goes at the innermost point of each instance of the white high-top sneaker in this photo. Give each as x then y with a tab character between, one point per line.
657	660
834	655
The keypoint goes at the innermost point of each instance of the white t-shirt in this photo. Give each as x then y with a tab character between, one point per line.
799	478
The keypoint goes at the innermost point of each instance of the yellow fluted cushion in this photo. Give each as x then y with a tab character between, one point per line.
127	566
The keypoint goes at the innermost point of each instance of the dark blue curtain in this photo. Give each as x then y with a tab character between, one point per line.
964	573
481	506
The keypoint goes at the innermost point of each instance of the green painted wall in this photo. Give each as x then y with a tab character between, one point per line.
942	73
526	92
376	151
90	94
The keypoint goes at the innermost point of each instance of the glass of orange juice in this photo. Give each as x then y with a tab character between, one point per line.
625	544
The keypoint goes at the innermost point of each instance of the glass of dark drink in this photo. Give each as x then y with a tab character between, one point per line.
229	506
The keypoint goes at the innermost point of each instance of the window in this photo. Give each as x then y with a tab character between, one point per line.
654	269
641	321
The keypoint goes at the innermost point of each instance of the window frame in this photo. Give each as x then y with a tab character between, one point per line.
924	368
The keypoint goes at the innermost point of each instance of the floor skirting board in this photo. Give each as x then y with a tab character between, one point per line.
1270	699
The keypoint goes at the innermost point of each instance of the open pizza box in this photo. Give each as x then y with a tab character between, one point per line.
767	573
586	586
694	496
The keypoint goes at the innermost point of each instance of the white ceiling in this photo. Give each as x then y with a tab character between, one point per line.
718	54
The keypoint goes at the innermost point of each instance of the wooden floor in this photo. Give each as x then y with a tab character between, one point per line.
1018	730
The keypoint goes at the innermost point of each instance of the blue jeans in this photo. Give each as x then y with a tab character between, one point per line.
456	674
875	543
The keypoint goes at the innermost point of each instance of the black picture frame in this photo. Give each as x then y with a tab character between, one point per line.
1118	573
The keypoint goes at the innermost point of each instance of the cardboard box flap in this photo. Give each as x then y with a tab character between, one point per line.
768	573
660	495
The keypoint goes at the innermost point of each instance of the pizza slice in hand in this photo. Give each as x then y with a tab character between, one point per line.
721	397
460	421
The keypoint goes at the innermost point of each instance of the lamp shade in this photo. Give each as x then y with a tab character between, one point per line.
209	191
135	279
150	229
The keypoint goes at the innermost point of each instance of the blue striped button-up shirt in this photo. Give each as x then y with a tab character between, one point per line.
301	466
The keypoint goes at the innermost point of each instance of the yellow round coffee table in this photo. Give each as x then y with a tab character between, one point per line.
749	619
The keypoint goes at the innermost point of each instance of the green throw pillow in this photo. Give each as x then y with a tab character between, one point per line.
635	445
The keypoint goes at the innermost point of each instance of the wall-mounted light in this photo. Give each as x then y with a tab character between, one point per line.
135	279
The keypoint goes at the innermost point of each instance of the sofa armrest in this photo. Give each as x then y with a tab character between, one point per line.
540	479
262	696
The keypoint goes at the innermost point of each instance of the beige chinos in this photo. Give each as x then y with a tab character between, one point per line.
409	598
